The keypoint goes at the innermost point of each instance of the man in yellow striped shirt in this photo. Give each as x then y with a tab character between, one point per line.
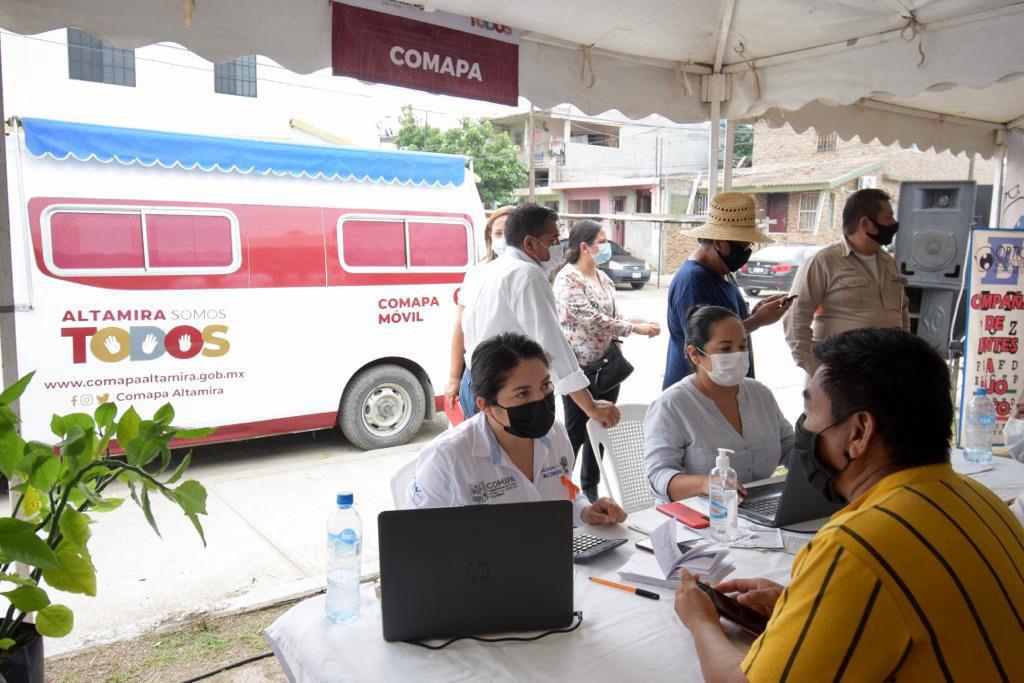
919	577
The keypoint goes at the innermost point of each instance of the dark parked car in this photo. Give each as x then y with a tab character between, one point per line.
773	267
623	268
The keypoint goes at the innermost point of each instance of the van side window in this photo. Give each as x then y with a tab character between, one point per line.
437	244
95	240
370	244
183	240
392	243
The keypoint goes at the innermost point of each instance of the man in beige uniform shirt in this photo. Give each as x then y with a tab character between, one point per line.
851	284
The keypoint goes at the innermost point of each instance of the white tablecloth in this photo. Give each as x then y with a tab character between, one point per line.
622	638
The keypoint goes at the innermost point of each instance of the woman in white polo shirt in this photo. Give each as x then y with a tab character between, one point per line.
512	451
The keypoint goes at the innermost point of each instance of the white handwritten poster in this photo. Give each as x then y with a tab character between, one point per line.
994	321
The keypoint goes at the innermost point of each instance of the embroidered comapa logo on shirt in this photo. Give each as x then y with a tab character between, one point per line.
482	491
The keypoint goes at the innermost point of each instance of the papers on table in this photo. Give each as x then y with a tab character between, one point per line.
707	560
757	536
964	466
646	521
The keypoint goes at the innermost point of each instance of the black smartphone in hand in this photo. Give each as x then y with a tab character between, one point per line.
741	615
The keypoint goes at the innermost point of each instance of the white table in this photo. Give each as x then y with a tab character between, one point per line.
622	638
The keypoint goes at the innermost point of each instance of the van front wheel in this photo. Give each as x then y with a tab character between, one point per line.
382	406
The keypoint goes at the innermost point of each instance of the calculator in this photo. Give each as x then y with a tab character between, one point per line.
586	548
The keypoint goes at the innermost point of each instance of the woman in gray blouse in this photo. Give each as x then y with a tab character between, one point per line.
716	407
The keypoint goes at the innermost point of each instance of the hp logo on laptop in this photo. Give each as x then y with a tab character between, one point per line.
478	570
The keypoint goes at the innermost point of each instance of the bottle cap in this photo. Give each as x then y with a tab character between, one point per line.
722	461
345	499
981	391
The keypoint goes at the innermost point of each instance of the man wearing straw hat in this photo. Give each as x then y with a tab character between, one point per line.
725	244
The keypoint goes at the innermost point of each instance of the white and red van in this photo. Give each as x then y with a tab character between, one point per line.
259	287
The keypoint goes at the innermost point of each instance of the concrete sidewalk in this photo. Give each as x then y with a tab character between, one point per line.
268	505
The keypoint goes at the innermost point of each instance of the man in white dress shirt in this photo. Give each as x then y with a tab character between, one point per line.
513	294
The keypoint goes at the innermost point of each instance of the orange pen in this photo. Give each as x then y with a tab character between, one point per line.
631	589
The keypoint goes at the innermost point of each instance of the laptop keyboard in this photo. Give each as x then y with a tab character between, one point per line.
586	547
763	506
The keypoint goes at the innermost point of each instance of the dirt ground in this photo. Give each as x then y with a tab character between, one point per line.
184	652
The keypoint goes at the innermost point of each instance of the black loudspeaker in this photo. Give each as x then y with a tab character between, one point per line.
934	315
935	226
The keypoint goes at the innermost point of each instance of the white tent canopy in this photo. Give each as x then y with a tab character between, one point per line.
935	73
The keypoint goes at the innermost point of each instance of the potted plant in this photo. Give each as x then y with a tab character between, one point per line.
55	491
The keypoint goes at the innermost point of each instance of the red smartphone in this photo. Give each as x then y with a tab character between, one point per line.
686	515
749	619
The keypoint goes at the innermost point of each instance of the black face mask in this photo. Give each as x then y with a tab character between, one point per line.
739	254
885	232
531	420
820	476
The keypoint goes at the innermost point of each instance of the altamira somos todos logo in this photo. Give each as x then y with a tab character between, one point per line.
179	335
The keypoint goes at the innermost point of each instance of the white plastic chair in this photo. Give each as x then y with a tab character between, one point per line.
400	481
622	468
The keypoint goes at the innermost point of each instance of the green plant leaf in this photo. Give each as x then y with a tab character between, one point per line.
128	427
148	511
19	543
191	496
17	579
55	621
14	392
28	598
105	414
74	525
11	448
180	469
75	574
57	426
164	415
7	643
9	415
83	420
194	433
45	472
108	504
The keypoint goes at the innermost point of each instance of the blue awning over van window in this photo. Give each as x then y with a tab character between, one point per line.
63	139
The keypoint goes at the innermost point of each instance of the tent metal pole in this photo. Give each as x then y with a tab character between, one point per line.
996	210
8	339
730	139
713	140
862	42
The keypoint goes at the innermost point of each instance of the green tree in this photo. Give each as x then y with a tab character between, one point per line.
742	144
496	162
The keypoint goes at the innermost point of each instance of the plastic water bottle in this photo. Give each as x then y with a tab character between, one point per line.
1013	435
722	490
979	427
344	547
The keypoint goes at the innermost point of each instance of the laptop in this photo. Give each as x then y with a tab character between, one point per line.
461	571
788	502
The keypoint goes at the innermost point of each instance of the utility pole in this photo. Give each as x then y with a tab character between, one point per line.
530	147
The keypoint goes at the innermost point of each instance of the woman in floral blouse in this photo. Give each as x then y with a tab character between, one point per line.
585	298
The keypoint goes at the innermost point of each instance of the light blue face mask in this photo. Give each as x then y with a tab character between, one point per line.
604	253
498	245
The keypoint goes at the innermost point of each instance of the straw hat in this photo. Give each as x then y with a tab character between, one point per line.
731	218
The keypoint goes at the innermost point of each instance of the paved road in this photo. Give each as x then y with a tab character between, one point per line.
269	500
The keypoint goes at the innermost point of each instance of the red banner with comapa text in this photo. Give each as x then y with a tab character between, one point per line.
397	50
